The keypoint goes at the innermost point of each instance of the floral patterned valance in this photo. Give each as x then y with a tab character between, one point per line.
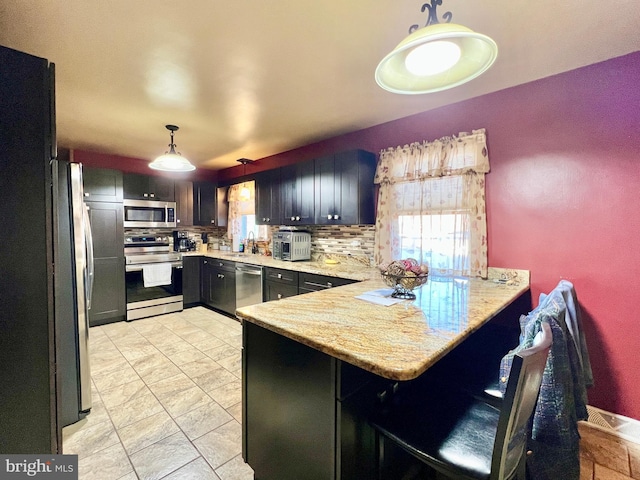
452	155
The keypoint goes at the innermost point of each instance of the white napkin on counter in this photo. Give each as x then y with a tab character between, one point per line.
379	297
156	274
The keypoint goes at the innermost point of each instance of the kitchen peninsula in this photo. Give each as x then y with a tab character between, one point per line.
313	365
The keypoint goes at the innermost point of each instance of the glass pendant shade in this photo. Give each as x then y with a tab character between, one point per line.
172	161
245	194
435	58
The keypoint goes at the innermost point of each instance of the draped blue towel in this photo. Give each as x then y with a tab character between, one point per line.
555	441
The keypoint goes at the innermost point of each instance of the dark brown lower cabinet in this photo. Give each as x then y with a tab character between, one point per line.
219	284
278	291
280	283
108	299
191	280
304	412
311	282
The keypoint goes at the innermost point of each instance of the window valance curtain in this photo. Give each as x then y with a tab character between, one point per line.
445	156
431	204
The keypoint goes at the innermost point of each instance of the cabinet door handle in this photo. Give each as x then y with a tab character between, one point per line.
329	217
329	284
220	275
205	262
145	195
279	296
298	219
279	275
86	194
213	222
336	217
293	218
177	220
268	219
152	195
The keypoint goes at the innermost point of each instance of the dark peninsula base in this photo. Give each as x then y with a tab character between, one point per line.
314	367
304	412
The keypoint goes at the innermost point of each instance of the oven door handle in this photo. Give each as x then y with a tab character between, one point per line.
138	266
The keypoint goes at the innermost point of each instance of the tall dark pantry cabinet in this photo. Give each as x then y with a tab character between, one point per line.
36	306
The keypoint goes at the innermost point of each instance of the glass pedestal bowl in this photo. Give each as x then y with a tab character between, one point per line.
403	285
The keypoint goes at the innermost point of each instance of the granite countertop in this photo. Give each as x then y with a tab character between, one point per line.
398	342
353	268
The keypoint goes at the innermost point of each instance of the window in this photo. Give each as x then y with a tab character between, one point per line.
248	224
431	204
440	241
242	218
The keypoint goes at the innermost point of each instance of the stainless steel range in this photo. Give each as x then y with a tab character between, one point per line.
153	276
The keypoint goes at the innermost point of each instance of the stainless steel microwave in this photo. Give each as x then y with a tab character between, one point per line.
149	214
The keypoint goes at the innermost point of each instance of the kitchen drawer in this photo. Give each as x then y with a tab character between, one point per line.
282	276
224	265
310	282
277	290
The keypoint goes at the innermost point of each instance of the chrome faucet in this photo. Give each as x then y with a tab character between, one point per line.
254	248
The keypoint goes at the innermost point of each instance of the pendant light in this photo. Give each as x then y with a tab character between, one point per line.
172	161
435	57
245	194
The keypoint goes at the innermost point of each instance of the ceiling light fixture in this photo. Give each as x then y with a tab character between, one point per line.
436	57
172	161
245	194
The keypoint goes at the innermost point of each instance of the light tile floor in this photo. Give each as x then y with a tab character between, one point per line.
166	400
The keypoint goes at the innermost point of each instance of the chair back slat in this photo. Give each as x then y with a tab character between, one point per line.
523	387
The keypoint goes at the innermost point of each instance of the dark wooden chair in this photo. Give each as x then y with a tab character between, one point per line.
464	437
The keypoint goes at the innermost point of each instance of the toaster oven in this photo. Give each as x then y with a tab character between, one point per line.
292	246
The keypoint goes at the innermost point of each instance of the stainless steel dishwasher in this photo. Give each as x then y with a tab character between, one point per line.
248	285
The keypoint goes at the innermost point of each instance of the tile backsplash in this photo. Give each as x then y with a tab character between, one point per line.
339	241
345	240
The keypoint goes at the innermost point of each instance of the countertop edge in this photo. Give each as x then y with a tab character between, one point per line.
356	271
397	369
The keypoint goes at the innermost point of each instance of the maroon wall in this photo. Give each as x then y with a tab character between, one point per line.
563	198
136	165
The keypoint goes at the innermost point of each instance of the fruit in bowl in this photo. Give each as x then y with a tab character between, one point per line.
404	276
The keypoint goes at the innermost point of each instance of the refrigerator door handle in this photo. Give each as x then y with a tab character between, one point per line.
83	279
89	246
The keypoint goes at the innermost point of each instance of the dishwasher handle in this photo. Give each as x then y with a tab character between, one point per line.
249	271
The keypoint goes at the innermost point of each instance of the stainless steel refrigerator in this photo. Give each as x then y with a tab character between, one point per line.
44	281
73	266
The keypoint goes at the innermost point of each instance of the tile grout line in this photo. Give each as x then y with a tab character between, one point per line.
113	339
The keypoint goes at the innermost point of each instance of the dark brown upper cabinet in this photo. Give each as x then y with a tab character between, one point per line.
147	187
343	189
184	203
222	206
210	206
268	197
297	194
102	184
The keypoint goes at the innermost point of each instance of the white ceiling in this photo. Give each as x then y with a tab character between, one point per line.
248	78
